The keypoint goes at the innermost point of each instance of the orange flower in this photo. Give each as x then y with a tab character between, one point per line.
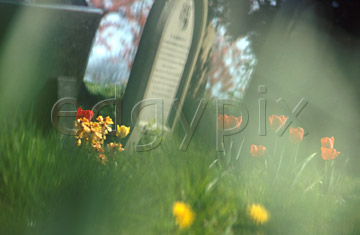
102	158
329	153
276	121
108	120
327	148
88	114
112	146
296	134
257	150
100	119
229	121
327	142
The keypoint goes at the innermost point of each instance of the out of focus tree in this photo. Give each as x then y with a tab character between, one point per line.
117	39
242	17
230	65
254	19
233	60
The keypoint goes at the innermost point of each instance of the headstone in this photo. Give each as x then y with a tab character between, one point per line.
165	62
44	50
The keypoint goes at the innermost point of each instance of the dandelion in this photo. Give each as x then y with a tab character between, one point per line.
122	131
276	121
183	214
258	213
229	121
296	134
257	150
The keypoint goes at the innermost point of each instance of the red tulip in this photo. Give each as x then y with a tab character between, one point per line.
327	142
88	114
276	121
257	150
327	148
329	153
296	134
229	121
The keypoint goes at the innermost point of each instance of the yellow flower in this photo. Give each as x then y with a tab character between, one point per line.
85	120
108	120
102	158
258	213
120	148
112	146
95	127
122	131
94	133
85	127
98	134
108	129
183	214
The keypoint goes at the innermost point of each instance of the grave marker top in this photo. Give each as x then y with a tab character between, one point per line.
165	60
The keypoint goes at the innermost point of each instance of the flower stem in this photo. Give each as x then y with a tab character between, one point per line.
296	152
331	178
279	165
302	169
276	143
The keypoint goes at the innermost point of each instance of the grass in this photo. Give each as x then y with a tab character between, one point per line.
48	185
107	90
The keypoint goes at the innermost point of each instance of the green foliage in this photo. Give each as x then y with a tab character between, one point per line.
107	90
51	186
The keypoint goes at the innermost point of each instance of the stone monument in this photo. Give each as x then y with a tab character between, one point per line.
164	64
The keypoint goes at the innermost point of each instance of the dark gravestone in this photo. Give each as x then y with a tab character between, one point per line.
44	51
165	62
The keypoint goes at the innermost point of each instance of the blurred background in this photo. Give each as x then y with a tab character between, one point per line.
294	48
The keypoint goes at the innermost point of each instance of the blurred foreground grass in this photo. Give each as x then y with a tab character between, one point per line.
48	185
